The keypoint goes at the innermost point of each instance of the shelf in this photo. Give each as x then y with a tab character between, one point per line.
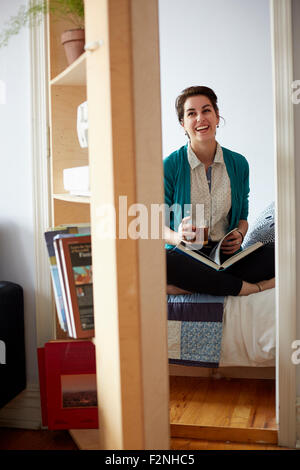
73	75
70	198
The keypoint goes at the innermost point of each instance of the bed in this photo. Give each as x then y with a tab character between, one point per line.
231	336
210	335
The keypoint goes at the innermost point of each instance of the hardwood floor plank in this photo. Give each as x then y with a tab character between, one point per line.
188	444
240	410
178	397
219	433
224	396
196	398
194	444
244	410
265	405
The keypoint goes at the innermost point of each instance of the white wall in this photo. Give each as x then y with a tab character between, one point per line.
225	45
16	203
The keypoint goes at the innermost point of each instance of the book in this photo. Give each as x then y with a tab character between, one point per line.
67	374
49	236
62	284
214	258
74	261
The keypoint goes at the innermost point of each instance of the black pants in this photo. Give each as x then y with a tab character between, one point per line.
191	275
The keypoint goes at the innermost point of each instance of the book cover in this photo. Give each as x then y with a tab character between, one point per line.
49	236
70	370
213	259
76	273
62	283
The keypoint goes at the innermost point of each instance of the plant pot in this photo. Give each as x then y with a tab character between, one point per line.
73	41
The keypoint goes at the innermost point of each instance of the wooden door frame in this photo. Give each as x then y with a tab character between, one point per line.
45	323
281	30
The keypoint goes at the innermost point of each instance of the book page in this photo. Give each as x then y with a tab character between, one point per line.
215	254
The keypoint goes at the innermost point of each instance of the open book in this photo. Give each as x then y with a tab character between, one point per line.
214	258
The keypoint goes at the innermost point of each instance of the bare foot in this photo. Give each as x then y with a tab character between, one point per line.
268	284
174	290
248	288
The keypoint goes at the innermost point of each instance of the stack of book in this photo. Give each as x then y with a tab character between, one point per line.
70	256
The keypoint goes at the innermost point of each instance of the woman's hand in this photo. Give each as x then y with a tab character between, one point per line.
192	236
232	243
187	231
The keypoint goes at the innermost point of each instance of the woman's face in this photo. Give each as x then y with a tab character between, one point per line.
200	119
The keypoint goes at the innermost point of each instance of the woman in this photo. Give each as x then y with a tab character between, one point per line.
203	172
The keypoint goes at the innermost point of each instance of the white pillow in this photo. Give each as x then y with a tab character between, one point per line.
263	229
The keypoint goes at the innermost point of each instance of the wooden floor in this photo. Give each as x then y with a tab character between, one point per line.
236	410
21	439
205	414
201	444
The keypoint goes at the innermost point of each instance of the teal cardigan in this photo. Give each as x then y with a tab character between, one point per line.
177	183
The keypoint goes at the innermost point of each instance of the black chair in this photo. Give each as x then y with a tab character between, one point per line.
12	344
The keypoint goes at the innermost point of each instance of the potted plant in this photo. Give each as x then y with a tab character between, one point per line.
31	15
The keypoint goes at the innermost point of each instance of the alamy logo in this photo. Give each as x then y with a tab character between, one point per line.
2	352
296	93
296	354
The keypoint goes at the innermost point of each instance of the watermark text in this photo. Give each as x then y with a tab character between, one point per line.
140	221
296	354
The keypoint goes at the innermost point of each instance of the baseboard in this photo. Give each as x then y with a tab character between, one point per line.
24	411
230	372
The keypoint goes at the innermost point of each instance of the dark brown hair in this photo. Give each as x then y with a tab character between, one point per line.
194	91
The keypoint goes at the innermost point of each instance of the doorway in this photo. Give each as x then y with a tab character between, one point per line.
232	48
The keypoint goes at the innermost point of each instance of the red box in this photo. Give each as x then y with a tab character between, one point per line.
68	385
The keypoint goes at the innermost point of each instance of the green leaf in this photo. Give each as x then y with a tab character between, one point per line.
32	15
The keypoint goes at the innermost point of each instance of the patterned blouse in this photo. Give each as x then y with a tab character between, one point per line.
213	190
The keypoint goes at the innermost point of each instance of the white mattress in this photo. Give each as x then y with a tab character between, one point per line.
249	336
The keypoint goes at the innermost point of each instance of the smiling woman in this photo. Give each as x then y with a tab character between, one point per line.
200	120
204	173
198	107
